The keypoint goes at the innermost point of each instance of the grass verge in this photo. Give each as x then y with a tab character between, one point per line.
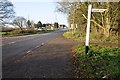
100	62
93	37
20	33
75	36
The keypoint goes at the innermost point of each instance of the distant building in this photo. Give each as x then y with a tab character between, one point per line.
62	26
51	26
47	24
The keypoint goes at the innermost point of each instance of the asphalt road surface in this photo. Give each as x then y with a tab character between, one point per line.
14	46
36	56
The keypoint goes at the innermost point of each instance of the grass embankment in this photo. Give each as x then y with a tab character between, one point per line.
26	32
75	36
93	37
100	62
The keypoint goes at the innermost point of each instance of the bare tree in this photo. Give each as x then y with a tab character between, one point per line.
20	22
6	11
104	22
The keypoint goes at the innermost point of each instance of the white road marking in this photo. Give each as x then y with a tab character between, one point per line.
25	39
16	41
42	44
29	51
11	43
37	46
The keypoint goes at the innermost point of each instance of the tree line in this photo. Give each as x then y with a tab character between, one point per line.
105	24
21	22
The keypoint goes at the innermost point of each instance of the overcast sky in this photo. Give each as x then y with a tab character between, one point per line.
39	10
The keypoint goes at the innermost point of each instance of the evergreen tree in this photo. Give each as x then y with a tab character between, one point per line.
56	25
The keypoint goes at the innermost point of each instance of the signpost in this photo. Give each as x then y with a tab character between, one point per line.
88	28
98	10
88	25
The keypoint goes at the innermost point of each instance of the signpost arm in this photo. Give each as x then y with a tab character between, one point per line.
88	28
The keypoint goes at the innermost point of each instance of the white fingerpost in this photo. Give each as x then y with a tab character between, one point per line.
88	28
98	10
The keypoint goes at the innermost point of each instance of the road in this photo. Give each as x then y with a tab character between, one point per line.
37	56
14	46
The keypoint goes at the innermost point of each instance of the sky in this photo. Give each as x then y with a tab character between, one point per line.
39	10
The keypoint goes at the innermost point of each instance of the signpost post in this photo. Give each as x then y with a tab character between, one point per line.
88	28
88	25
